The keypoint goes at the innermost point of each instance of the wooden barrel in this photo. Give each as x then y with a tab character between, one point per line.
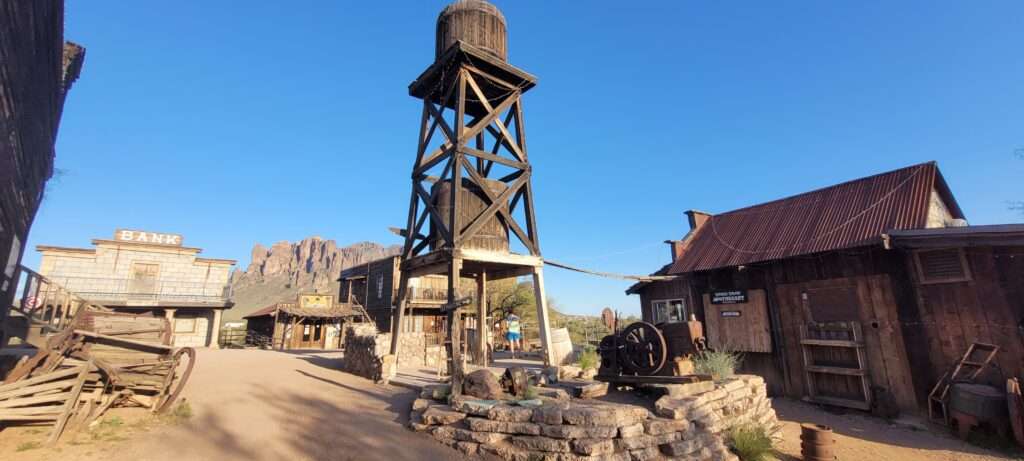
475	22
493	236
816	442
983	402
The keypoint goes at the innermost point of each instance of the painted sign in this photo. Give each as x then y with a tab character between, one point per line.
732	314
729	297
153	238
316	301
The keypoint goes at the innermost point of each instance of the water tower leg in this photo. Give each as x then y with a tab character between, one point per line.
543	318
454	328
399	315
481	319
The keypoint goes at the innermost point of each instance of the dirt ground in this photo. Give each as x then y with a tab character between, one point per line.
255	405
267	405
864	438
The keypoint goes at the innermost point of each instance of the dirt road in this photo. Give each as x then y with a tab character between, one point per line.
862	438
266	405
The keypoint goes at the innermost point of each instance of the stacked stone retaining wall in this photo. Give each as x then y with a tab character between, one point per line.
366	352
690	422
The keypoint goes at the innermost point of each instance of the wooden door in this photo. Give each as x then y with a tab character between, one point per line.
143	280
309	334
867	300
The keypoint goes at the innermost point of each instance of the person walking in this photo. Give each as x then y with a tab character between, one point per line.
514	333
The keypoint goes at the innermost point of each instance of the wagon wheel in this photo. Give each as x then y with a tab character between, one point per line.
644	350
174	383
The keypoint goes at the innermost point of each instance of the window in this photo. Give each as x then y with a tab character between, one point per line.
185	325
942	266
669	311
144	278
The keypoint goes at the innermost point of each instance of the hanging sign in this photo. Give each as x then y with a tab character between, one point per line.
729	297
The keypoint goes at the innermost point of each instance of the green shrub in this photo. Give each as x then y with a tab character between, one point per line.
530	392
589	358
751	442
718	364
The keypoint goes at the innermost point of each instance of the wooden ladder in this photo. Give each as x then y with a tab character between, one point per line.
839	336
966	370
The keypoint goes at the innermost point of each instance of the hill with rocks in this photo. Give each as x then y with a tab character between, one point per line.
281	272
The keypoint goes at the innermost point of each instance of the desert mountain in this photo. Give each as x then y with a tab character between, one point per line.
279	273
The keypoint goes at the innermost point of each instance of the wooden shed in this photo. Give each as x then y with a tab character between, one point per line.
860	294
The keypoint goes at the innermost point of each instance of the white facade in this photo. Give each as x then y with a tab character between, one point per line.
167	279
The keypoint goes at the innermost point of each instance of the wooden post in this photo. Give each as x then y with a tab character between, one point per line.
543	319
481	319
399	315
169	313
215	333
454	328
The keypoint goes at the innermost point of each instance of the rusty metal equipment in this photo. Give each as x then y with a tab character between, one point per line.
640	352
816	442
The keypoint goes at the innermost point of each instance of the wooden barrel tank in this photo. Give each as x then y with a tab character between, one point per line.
493	236
475	22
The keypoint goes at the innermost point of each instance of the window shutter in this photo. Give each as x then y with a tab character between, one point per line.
945	265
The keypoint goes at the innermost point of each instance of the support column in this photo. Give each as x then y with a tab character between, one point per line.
169	314
482	324
543	319
454	328
399	315
215	329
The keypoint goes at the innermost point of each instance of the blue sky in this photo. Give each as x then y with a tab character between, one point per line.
234	123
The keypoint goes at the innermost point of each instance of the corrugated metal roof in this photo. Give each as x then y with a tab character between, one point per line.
841	216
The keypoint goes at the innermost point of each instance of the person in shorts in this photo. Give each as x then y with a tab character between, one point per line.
514	334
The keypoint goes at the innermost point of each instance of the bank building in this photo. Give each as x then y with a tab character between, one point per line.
148	273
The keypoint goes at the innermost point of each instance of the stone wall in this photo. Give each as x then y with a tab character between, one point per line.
364	353
690	422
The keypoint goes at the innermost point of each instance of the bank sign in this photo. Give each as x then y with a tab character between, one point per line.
153	238
729	297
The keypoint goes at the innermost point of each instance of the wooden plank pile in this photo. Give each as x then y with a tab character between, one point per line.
102	359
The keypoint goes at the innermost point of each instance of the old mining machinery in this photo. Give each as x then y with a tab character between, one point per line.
646	353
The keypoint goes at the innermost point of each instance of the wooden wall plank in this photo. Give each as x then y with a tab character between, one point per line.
750	332
890	334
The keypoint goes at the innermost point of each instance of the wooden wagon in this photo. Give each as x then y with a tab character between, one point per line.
93	358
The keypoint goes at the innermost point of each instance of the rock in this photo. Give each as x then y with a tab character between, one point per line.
486	425
510	413
436	391
645	454
482	384
588	374
569	372
664	426
547	414
579	432
634	430
530	403
603	415
591	447
444	434
553	393
683	447
438	415
682	390
479	437
468	448
420	404
670	407
542	444
592	390
473	406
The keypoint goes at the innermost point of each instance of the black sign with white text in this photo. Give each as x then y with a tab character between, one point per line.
729	297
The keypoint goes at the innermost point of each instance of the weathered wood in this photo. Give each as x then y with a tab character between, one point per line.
69	405
748	332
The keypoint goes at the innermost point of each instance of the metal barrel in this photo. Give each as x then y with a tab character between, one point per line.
816	442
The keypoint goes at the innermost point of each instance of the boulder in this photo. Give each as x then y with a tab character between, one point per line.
482	384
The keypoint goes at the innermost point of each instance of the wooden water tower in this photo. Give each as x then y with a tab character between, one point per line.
471	213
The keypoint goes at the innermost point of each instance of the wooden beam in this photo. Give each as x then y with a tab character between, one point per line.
497	120
481	319
543	317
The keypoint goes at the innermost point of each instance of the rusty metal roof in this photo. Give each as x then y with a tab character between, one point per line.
845	215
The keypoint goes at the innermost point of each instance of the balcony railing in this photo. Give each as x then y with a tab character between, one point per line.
145	292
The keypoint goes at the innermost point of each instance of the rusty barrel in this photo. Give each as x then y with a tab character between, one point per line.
816	442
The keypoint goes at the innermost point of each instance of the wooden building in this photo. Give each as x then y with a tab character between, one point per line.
374	287
860	294
147	273
313	321
37	68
